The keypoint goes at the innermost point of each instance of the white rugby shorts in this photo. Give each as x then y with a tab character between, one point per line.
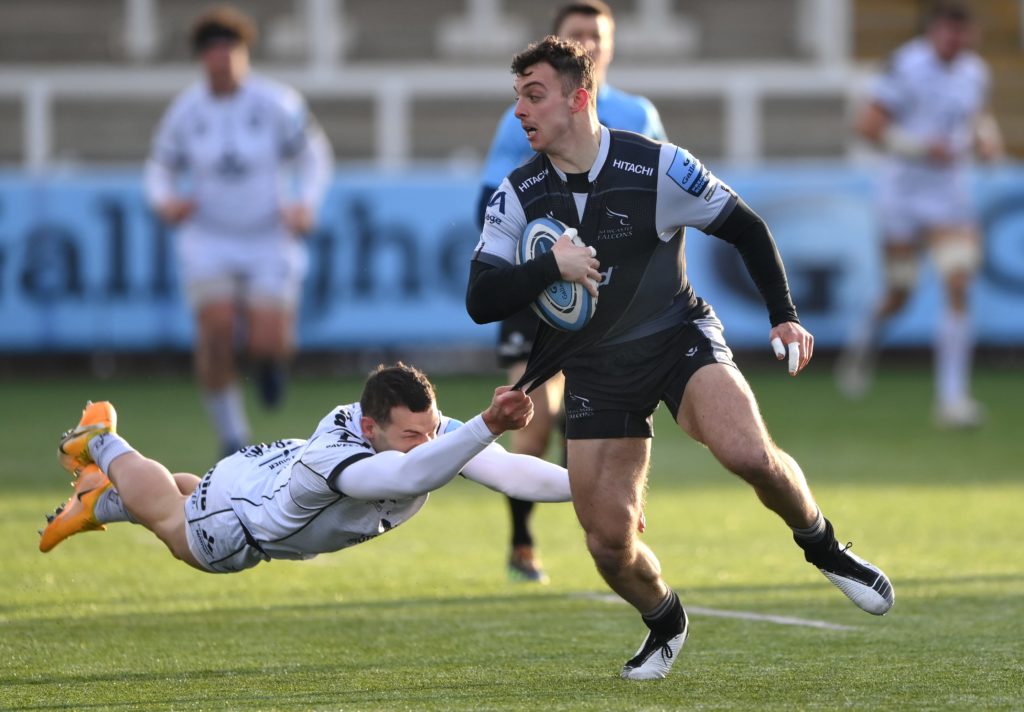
915	200
216	537
256	271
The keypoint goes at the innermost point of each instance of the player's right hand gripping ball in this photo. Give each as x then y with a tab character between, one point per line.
565	305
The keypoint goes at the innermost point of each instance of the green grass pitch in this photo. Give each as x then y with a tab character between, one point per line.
424	617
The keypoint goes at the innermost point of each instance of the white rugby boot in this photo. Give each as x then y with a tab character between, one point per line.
656	656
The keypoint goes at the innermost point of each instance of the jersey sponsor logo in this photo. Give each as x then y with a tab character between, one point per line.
206	540
533	180
492	219
204	486
606	276
688	173
498	200
231	167
630	167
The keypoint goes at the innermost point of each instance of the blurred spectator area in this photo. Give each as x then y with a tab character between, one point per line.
400	81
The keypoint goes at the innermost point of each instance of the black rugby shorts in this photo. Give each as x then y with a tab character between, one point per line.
613	391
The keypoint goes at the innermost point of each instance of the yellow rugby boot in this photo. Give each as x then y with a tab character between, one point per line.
73	450
78	513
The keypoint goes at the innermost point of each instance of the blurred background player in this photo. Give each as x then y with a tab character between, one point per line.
590	23
928	112
240	166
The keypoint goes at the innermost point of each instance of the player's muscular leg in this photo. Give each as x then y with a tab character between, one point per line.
719	410
214	350
607	478
547	399
155	498
186	482
271	333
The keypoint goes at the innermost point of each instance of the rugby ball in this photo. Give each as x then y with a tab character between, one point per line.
565	305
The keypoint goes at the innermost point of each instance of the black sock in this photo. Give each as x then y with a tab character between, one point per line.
271	378
667	619
816	541
520	510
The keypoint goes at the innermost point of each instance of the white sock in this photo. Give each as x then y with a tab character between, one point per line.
864	337
227	412
953	348
110	508
106	448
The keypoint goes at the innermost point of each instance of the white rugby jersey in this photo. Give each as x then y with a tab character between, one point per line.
240	157
931	99
301	498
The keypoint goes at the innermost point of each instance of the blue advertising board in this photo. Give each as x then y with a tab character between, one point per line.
84	264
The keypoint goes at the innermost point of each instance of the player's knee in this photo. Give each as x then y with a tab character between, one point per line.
610	559
957	259
611	551
901	274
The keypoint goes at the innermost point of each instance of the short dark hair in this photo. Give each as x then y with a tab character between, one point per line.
390	386
567	57
948	10
591	8
222	22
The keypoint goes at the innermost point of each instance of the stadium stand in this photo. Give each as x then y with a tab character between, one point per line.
751	79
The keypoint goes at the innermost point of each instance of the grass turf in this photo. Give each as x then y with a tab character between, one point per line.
425	619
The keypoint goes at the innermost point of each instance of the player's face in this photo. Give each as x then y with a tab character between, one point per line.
951	37
596	34
406	429
542	108
225	63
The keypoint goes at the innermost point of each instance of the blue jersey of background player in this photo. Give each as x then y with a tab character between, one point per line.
590	23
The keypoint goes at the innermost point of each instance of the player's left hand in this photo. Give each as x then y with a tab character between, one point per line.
792	340
297	218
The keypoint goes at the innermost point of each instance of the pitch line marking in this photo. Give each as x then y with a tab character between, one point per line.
742	615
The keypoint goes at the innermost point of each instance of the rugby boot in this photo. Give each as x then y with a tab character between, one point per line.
656	655
963	414
524	566
863	583
73	450
78	513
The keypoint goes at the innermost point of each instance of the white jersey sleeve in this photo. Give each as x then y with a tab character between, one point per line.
305	145
519	476
689	195
168	156
504	222
393	474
